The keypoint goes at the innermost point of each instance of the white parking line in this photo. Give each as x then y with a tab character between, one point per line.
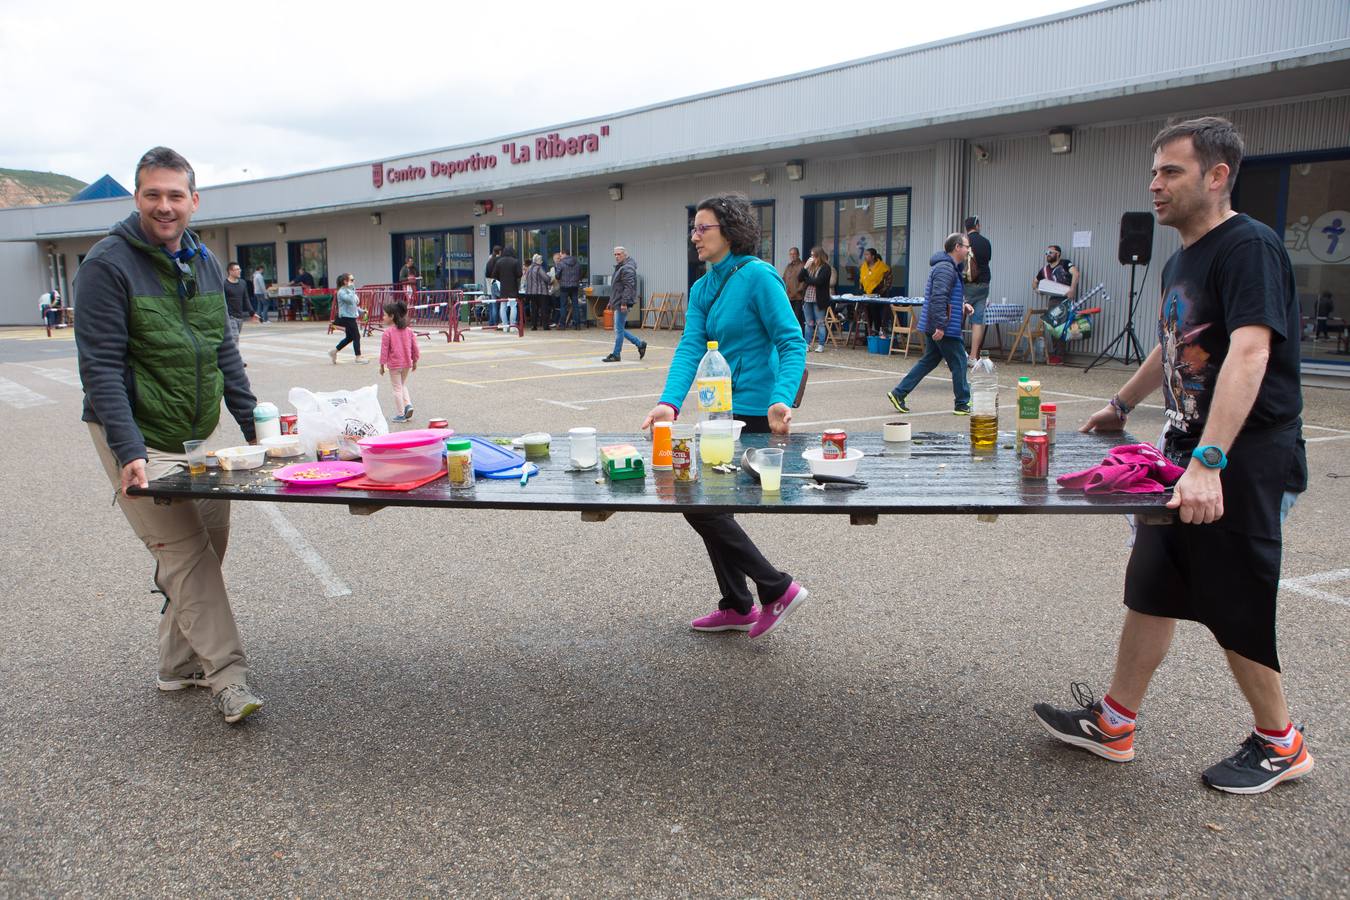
20	397
1303	585
333	586
63	376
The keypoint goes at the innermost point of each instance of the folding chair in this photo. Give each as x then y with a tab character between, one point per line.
908	331
1031	329
677	304
832	323
656	309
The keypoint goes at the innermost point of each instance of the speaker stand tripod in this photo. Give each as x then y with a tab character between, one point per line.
1126	334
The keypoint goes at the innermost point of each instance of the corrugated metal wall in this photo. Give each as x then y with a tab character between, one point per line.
1027	198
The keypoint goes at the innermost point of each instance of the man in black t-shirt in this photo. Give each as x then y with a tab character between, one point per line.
236	300
1228	363
977	288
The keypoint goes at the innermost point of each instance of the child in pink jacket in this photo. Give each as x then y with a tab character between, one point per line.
399	354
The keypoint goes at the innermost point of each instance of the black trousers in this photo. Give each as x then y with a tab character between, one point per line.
734	556
353	334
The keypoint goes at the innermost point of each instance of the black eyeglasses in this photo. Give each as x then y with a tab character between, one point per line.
187	281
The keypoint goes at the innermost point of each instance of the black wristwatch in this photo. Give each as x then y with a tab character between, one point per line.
1211	456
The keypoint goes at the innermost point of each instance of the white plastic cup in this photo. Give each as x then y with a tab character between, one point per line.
582	447
895	432
769	462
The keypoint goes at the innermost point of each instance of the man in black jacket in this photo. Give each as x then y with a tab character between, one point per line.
507	271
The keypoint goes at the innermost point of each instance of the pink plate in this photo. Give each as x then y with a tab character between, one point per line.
329	471
403	440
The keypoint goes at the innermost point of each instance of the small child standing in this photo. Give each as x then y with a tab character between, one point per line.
399	354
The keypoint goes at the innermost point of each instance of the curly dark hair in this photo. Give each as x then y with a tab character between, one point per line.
737	219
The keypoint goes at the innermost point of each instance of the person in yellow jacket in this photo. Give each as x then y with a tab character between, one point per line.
874	276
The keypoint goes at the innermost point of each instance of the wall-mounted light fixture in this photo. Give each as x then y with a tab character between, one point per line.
980	153
796	170
616	192
760	177
375	219
281	228
1061	140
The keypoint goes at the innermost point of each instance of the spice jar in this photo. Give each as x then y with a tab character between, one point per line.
459	464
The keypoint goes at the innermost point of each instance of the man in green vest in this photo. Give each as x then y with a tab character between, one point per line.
156	358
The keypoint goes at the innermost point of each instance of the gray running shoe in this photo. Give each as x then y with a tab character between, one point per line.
179	682
237	701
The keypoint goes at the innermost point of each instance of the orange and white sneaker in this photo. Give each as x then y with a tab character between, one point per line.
1086	727
1259	765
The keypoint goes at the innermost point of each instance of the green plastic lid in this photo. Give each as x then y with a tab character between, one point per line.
712	345
458	444
1024	378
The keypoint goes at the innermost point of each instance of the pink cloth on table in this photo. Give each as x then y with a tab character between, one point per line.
398	348
1129	469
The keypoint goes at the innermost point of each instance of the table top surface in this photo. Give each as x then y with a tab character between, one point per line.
935	473
873	298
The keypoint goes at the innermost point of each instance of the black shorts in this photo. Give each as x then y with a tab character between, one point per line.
1224	575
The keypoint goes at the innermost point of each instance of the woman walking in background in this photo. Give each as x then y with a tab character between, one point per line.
816	298
349	312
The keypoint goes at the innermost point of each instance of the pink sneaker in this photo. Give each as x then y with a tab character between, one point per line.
726	620
771	616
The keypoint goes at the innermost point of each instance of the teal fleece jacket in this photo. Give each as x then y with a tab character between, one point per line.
755	329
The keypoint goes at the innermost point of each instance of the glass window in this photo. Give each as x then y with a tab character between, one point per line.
251	256
1308	201
849	225
444	258
547	238
308	256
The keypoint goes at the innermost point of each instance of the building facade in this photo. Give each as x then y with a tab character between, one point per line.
889	152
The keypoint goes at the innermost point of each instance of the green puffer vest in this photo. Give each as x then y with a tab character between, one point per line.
173	346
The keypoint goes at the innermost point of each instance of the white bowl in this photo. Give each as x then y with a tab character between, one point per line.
736	426
822	466
246	457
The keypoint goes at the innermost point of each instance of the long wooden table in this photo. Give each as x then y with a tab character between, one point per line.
934	474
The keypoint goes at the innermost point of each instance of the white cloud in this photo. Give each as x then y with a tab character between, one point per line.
251	89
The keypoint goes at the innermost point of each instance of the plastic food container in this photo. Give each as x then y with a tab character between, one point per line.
246	457
405	455
283	447
821	466
536	444
736	426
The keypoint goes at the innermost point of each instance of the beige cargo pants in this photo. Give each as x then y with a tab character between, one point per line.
187	538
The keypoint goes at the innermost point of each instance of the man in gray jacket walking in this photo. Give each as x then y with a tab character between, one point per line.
623	293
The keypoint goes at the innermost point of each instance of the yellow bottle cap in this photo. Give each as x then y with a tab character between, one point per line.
712	345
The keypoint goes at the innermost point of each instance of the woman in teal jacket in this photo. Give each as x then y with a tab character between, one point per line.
742	304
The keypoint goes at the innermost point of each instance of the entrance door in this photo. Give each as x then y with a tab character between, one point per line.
546	238
443	258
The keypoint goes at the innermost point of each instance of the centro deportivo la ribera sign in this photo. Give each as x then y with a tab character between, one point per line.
550	146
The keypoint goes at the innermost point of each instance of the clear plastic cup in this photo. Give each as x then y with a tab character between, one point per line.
582	447
196	456
717	445
769	461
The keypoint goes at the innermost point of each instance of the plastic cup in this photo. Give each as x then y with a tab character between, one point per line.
769	461
196	456
582	447
717	444
661	456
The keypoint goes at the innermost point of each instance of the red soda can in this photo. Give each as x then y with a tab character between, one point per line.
1035	454
290	424
834	444
438	423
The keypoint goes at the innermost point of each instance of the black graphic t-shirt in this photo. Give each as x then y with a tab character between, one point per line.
1236	275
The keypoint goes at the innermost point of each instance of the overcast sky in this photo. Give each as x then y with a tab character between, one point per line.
249	89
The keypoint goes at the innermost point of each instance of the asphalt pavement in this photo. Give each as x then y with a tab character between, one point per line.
512	704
